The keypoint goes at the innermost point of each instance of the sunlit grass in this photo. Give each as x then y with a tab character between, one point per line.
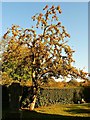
82	110
53	112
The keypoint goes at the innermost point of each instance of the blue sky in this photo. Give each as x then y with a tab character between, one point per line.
74	17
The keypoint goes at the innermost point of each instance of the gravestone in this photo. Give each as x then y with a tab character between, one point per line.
15	91
5	97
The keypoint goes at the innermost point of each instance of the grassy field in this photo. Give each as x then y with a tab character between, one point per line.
82	110
53	112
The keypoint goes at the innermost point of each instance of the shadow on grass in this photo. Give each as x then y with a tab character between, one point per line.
33	115
79	111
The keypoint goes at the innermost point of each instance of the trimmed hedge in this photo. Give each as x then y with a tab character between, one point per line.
49	96
16	95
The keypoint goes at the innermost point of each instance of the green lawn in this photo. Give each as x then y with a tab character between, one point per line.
82	110
53	112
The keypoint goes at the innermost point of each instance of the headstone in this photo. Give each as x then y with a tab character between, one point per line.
15	91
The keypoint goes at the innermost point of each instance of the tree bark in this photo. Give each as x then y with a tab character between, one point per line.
32	105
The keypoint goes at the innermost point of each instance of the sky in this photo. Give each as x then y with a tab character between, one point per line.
74	17
45	0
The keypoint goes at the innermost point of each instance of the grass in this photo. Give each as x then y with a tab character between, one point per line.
81	110
53	112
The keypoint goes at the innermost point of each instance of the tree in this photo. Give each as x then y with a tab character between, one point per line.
16	61
38	56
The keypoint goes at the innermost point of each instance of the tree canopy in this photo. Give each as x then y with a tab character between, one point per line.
34	56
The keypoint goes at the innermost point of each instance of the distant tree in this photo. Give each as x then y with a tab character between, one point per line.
36	56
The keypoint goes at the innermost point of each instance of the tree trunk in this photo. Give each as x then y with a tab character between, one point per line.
35	89
32	105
